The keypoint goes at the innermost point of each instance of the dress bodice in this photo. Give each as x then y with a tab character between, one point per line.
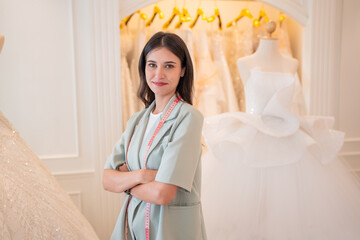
268	88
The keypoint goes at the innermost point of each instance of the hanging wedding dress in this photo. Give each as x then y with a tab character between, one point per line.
283	36
32	204
239	43
187	36
270	175
128	101
231	103
139	41
209	94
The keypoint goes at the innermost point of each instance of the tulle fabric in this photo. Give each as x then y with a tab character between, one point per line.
32	203
302	200
269	174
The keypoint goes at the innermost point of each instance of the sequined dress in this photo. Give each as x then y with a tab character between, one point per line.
32	204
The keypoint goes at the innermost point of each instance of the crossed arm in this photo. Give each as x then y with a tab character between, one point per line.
142	184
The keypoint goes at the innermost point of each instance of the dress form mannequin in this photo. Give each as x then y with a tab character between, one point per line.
278	173
1	42
267	57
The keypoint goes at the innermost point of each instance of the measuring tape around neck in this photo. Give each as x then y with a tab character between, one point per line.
161	123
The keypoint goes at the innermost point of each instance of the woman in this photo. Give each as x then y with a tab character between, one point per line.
157	160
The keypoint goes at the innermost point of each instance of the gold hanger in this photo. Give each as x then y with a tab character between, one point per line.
176	12
262	15
185	17
156	11
281	18
126	20
199	13
213	17
244	13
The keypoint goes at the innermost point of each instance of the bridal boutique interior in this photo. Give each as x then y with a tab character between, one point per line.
62	76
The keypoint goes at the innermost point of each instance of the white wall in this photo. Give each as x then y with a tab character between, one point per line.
349	97
47	86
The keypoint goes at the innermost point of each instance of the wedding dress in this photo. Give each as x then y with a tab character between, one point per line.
271	175
230	103
138	45
128	94
239	43
32	203
187	36
209	94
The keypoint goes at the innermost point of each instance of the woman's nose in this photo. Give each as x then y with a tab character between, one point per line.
160	73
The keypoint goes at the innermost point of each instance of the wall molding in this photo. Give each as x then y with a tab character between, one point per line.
351	147
296	9
76	197
75	154
107	115
324	36
59	156
75	174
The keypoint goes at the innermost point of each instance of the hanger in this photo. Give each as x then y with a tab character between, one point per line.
281	18
262	15
216	15
185	17
245	12
176	12
126	20
156	11
199	12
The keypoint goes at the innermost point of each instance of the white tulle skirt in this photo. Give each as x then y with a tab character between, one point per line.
302	200
259	186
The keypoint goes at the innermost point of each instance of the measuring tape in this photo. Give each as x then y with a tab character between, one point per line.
148	205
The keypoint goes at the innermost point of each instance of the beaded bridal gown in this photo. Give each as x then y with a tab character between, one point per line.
271	175
32	204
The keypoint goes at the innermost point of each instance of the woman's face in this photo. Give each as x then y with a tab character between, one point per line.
163	71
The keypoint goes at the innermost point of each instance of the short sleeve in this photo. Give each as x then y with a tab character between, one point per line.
117	157
182	154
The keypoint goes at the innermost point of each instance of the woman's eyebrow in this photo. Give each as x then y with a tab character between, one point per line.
167	62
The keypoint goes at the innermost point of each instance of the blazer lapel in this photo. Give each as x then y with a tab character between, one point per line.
167	124
136	161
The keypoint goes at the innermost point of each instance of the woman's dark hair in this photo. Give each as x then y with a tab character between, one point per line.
178	47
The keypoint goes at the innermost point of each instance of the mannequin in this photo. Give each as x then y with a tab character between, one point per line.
278	173
267	57
2	39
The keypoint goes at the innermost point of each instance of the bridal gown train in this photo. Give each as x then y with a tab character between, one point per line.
271	175
32	204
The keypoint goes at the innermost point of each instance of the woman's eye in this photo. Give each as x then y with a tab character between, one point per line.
152	65
169	66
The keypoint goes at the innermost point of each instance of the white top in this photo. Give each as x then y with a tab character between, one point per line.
152	120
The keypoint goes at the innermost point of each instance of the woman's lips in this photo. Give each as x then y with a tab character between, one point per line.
159	84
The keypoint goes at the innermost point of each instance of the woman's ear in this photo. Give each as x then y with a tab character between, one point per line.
182	73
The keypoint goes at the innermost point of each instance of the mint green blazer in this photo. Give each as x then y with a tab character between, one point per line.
175	153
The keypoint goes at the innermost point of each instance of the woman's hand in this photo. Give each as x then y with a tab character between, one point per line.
123	168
